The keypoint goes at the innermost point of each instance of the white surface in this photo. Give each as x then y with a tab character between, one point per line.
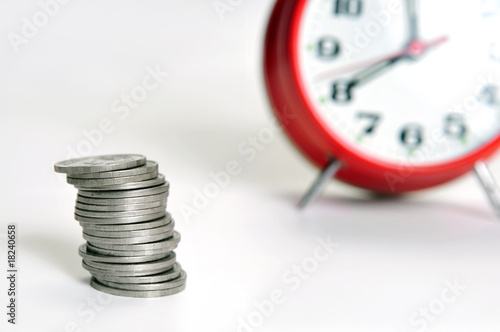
394	256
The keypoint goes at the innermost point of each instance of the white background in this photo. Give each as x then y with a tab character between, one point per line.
394	256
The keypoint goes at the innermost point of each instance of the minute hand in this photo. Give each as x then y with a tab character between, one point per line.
414	50
342	89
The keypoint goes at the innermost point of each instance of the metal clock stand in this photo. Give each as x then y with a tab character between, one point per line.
320	183
481	169
489	184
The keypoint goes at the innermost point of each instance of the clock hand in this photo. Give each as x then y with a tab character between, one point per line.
415	49
342	89
371	71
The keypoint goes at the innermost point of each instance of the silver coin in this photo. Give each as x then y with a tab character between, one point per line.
170	274
132	253
131	234
129	186
120	208
108	243
104	183
99	164
149	167
121	220
122	201
179	281
126	193
111	243
100	273
167	219
113	269
163	263
138	294
159	245
88	255
121	214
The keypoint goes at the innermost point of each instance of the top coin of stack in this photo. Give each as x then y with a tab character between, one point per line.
121	206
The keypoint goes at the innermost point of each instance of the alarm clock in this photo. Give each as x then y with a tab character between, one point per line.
388	95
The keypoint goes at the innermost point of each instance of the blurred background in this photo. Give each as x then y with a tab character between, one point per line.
64	91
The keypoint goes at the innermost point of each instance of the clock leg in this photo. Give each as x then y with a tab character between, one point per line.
319	184
489	184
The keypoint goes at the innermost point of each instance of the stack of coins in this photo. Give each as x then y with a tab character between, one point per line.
130	236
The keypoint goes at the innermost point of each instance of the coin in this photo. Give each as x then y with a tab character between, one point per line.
173	283
163	263
170	274
139	294
133	253
121	214
121	208
122	201
149	167
99	273
125	193
92	183
109	242
88	255
144	246
121	220
129	186
131	234
167	219
99	163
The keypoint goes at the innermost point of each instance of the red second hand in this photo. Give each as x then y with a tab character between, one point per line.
416	48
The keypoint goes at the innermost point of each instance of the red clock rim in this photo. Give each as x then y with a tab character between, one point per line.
467	160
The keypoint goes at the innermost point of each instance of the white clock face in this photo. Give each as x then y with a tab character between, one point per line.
432	102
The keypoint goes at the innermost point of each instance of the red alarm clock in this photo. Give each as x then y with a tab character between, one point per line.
401	95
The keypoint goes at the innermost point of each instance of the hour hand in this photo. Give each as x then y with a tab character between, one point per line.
342	89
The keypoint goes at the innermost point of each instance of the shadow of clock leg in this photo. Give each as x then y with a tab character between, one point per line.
319	184
489	184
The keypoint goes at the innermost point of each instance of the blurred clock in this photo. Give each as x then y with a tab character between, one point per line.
401	95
